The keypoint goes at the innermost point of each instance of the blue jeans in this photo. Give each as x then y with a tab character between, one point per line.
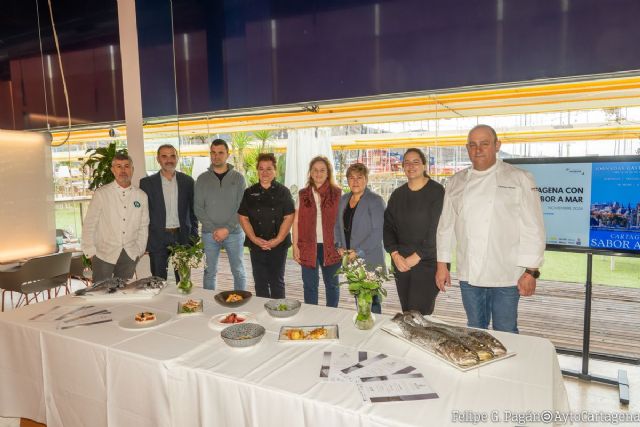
234	246
311	281
483	305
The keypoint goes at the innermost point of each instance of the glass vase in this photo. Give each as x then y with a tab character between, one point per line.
185	285
364	318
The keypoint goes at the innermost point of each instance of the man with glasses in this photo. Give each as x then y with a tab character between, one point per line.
493	211
218	195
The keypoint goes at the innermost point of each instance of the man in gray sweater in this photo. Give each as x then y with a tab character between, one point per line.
218	193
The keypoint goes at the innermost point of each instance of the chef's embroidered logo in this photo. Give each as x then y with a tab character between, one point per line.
136	204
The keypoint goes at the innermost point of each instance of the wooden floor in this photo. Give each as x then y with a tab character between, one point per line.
554	312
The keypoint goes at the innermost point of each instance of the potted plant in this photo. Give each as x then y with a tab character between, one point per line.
99	162
364	285
184	258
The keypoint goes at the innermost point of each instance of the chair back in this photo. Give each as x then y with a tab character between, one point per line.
77	267
50	271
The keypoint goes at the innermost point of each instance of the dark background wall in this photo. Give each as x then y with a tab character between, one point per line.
225	54
247	53
88	35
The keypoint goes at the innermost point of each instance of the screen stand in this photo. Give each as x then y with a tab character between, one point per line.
622	382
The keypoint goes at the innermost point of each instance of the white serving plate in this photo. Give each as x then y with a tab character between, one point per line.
394	330
215	321
332	333
131	324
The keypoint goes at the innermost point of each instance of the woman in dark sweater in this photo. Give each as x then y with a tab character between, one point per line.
410	224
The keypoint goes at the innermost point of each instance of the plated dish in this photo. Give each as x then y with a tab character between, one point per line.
232	298
144	320
223	320
243	334
190	306
282	308
308	333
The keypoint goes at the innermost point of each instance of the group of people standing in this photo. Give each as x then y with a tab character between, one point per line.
491	210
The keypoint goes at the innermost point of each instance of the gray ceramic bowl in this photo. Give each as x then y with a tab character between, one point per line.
293	306
242	334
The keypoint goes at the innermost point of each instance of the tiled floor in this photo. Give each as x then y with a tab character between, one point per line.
583	396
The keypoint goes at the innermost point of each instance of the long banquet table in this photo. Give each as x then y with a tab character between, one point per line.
182	373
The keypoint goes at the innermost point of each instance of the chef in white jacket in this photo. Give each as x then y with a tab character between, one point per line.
493	216
116	227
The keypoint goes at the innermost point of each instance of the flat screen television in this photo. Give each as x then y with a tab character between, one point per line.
590	204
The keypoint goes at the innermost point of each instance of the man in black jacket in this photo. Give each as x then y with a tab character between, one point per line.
172	219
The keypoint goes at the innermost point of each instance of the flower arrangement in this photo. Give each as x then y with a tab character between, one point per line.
184	258
364	285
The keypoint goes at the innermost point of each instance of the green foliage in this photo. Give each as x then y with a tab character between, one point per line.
99	162
187	256
362	283
264	136
282	167
239	143
250	166
187	166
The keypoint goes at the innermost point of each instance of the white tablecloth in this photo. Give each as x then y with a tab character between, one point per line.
182	373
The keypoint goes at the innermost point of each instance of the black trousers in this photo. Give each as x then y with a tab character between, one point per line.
268	272
417	288
159	260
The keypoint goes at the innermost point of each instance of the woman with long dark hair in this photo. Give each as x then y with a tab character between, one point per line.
313	228
410	224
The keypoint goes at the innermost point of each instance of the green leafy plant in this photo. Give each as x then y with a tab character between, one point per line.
364	285
264	136
99	162
282	168
187	256
239	142
250	166
184	258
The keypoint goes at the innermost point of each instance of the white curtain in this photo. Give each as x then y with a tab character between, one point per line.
302	146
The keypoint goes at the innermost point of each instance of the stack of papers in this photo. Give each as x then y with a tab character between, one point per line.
379	377
71	316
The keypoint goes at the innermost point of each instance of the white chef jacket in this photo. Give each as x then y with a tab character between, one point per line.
117	218
495	216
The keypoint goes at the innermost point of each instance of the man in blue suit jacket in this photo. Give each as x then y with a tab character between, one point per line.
172	219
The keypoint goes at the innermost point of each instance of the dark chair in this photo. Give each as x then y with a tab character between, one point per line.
76	270
36	276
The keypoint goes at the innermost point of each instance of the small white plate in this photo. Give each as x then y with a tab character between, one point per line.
130	322
214	322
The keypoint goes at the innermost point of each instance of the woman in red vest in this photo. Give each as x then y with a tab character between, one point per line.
313	224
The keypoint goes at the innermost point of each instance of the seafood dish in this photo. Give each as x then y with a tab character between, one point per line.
309	333
115	288
464	347
107	286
